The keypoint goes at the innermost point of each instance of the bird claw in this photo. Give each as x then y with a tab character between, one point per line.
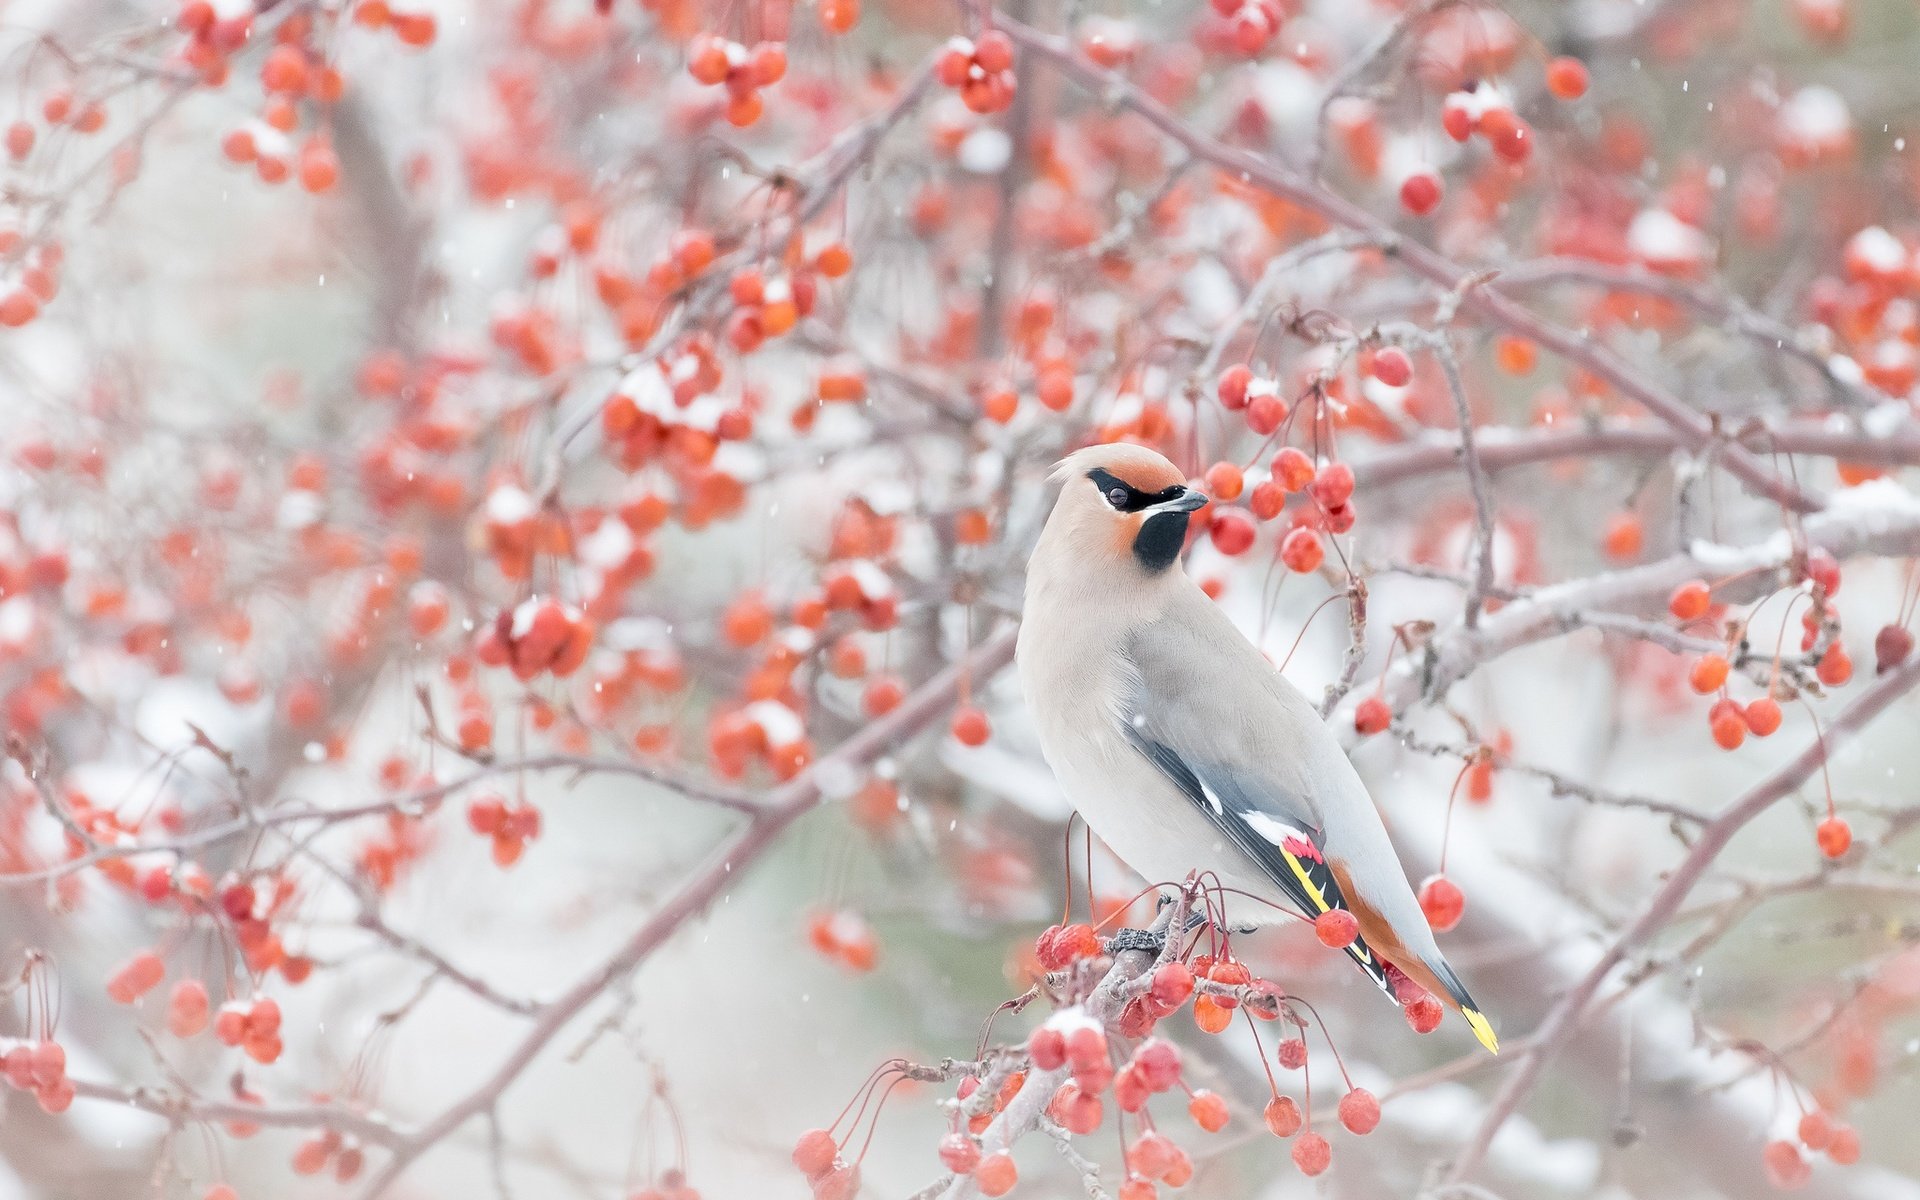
1124	940
1197	918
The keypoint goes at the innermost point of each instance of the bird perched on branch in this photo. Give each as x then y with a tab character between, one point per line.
1181	745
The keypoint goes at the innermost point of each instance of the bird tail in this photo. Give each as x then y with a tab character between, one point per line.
1457	991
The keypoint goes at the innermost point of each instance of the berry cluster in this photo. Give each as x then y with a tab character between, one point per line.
715	61
981	70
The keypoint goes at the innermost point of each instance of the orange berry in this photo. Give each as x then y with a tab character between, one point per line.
1763	716
1835	667
1515	355
839	16
1729	725
1225	481
971	527
1709	673
970	726
1690	600
1835	836
1209	1110
1211	1016
1567	78
1623	537
996	1174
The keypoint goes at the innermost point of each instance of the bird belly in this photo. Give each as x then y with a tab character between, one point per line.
1154	829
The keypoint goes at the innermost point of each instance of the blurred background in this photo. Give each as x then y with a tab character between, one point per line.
463	469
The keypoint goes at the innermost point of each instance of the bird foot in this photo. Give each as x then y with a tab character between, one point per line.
1124	940
1196	919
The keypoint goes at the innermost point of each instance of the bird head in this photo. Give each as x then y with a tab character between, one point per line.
1124	504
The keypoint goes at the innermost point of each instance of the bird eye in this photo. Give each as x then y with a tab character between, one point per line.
1117	497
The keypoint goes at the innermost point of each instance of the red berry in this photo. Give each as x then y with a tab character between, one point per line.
136	977
1824	570
1623	537
1763	716
1301	551
1232	531
487	815
47	1063
1336	928
1075	1108
1137	1188
1312	1154
970	726
1835	667
841	1183
1265	411
1211	1016
1048	1048
1232	388
188	1008
1208	1110
1359	1111
1690	600
1392	367
1708	674
1567	78
1424	1014
1835	836
56	1097
993	50
1151	1155
1172	984
814	1153
1890	648
996	1174
1292	469
1291	1054
883	694
1785	1168
1130	1091
1728	723
1443	903
1224	481
959	1153
1333	486
1266	500
1282	1116
1845	1147
1371	716
1158	1062
1420	192
1816	1130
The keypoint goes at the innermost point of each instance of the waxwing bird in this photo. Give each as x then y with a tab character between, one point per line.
1181	745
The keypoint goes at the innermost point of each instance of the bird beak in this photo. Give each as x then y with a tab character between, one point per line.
1187	501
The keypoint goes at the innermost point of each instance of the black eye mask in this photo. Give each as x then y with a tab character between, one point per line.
1130	498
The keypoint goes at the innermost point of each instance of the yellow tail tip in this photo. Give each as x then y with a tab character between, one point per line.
1481	1030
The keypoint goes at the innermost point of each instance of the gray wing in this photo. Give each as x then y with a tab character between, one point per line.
1221	725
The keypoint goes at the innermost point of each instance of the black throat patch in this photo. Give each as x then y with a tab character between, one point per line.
1161	536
